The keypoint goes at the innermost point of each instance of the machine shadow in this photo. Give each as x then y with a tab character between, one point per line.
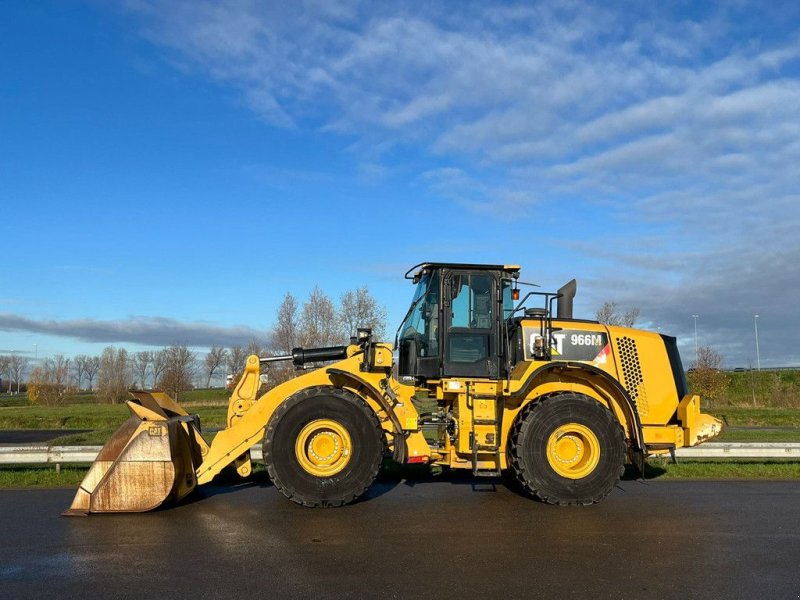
228	482
392	475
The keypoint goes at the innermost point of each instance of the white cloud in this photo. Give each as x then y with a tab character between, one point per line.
690	126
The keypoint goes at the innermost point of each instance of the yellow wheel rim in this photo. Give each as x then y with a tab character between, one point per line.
573	451
323	448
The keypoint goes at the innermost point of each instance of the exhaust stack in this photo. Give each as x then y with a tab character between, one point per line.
566	294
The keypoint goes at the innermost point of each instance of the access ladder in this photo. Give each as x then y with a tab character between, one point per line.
486	411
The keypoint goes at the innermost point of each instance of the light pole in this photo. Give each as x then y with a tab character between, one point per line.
696	355
758	355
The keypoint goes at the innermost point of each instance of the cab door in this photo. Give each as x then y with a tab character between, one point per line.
470	319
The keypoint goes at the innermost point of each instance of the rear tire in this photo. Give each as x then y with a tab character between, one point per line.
567	449
323	447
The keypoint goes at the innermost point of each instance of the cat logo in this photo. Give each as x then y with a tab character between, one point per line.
573	344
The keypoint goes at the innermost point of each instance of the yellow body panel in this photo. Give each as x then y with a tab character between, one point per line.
635	359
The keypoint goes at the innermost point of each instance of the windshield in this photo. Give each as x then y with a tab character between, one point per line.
421	324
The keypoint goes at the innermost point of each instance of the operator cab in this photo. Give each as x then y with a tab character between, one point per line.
453	327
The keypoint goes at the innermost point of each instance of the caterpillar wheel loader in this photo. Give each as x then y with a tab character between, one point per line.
475	380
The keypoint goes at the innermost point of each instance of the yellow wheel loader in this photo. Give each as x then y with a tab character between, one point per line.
476	379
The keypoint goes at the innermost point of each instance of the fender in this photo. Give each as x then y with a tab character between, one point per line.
356	381
627	404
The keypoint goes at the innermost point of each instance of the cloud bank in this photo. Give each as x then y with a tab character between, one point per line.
149	331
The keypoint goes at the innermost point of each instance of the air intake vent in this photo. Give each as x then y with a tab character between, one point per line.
632	372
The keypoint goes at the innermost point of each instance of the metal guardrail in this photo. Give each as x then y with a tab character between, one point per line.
58	455
40	455
741	450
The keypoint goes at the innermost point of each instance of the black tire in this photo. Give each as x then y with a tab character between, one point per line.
528	450
288	422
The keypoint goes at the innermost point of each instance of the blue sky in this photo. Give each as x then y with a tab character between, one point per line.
168	170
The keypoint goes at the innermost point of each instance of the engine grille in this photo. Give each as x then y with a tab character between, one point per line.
633	379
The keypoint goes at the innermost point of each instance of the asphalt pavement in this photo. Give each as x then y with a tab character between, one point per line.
15	437
440	537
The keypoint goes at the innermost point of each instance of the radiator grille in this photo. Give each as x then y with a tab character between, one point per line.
632	372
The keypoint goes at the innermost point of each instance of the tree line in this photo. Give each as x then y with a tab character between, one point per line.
317	322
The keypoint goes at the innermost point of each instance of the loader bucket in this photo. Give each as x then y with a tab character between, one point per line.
150	459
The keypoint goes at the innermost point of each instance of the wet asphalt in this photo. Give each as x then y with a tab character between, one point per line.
438	537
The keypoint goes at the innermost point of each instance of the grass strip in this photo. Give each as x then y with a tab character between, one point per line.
89	416
739	416
723	469
759	435
97	437
75	416
42	476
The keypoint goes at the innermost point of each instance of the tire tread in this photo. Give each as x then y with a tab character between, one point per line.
526	419
289	490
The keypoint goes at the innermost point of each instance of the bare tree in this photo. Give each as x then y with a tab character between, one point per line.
18	364
91	368
284	335
5	370
707	358
705	376
61	370
159	364
141	362
179	370
609	314
114	377
236	358
359	309
318	323
214	360
630	317
254	347
284	339
79	366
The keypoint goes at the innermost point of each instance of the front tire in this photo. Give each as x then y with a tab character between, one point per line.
567	449
323	447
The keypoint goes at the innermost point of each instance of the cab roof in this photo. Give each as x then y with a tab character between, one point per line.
416	271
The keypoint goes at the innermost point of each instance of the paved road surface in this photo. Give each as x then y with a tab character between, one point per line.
15	437
436	538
